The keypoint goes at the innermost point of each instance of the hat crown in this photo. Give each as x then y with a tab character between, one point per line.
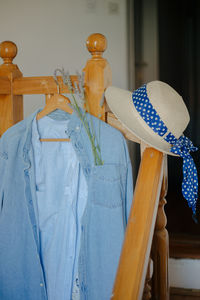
169	105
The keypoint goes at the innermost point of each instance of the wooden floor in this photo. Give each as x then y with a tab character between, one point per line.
184	294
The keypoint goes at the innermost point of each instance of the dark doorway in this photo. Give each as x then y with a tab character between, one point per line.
171	29
179	66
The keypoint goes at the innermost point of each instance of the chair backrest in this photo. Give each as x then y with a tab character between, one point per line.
142	235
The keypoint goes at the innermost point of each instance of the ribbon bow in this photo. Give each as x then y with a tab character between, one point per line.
182	147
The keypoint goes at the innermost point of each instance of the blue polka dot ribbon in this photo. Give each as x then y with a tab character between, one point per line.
182	146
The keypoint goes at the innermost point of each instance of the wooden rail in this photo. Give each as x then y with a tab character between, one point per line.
39	85
134	258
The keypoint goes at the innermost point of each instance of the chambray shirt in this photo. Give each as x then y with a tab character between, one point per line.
61	192
103	224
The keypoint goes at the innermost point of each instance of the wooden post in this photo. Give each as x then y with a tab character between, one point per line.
160	247
97	75
11	107
147	285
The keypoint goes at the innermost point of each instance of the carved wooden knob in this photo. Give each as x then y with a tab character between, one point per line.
8	51
96	44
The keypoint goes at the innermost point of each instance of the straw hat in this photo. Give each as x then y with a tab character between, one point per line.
157	115
165	100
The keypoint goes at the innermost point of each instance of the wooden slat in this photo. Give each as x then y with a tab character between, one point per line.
5	87
134	258
39	85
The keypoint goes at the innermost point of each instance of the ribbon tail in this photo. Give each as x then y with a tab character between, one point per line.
190	182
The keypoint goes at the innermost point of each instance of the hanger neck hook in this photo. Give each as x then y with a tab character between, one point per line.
56	80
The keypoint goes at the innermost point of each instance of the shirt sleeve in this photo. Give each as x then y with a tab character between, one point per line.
129	190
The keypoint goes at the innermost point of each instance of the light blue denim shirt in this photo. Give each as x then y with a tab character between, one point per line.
102	225
61	195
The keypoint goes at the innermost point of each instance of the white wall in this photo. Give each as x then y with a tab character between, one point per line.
184	273
51	34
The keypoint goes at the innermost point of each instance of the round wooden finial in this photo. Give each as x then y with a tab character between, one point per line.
96	44
8	51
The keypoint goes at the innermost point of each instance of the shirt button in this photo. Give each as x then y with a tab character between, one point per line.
78	146
26	172
41	284
77	128
87	170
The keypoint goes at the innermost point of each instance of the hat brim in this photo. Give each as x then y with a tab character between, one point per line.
121	104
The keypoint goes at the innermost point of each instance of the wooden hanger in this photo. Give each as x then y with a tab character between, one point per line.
53	102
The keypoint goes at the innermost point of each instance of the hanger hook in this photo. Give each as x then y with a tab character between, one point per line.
55	78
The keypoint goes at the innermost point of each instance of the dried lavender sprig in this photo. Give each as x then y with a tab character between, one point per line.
80	85
67	81
95	148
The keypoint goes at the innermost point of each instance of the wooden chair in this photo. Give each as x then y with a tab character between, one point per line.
146	238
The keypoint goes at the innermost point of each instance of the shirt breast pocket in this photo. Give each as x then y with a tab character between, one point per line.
108	185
